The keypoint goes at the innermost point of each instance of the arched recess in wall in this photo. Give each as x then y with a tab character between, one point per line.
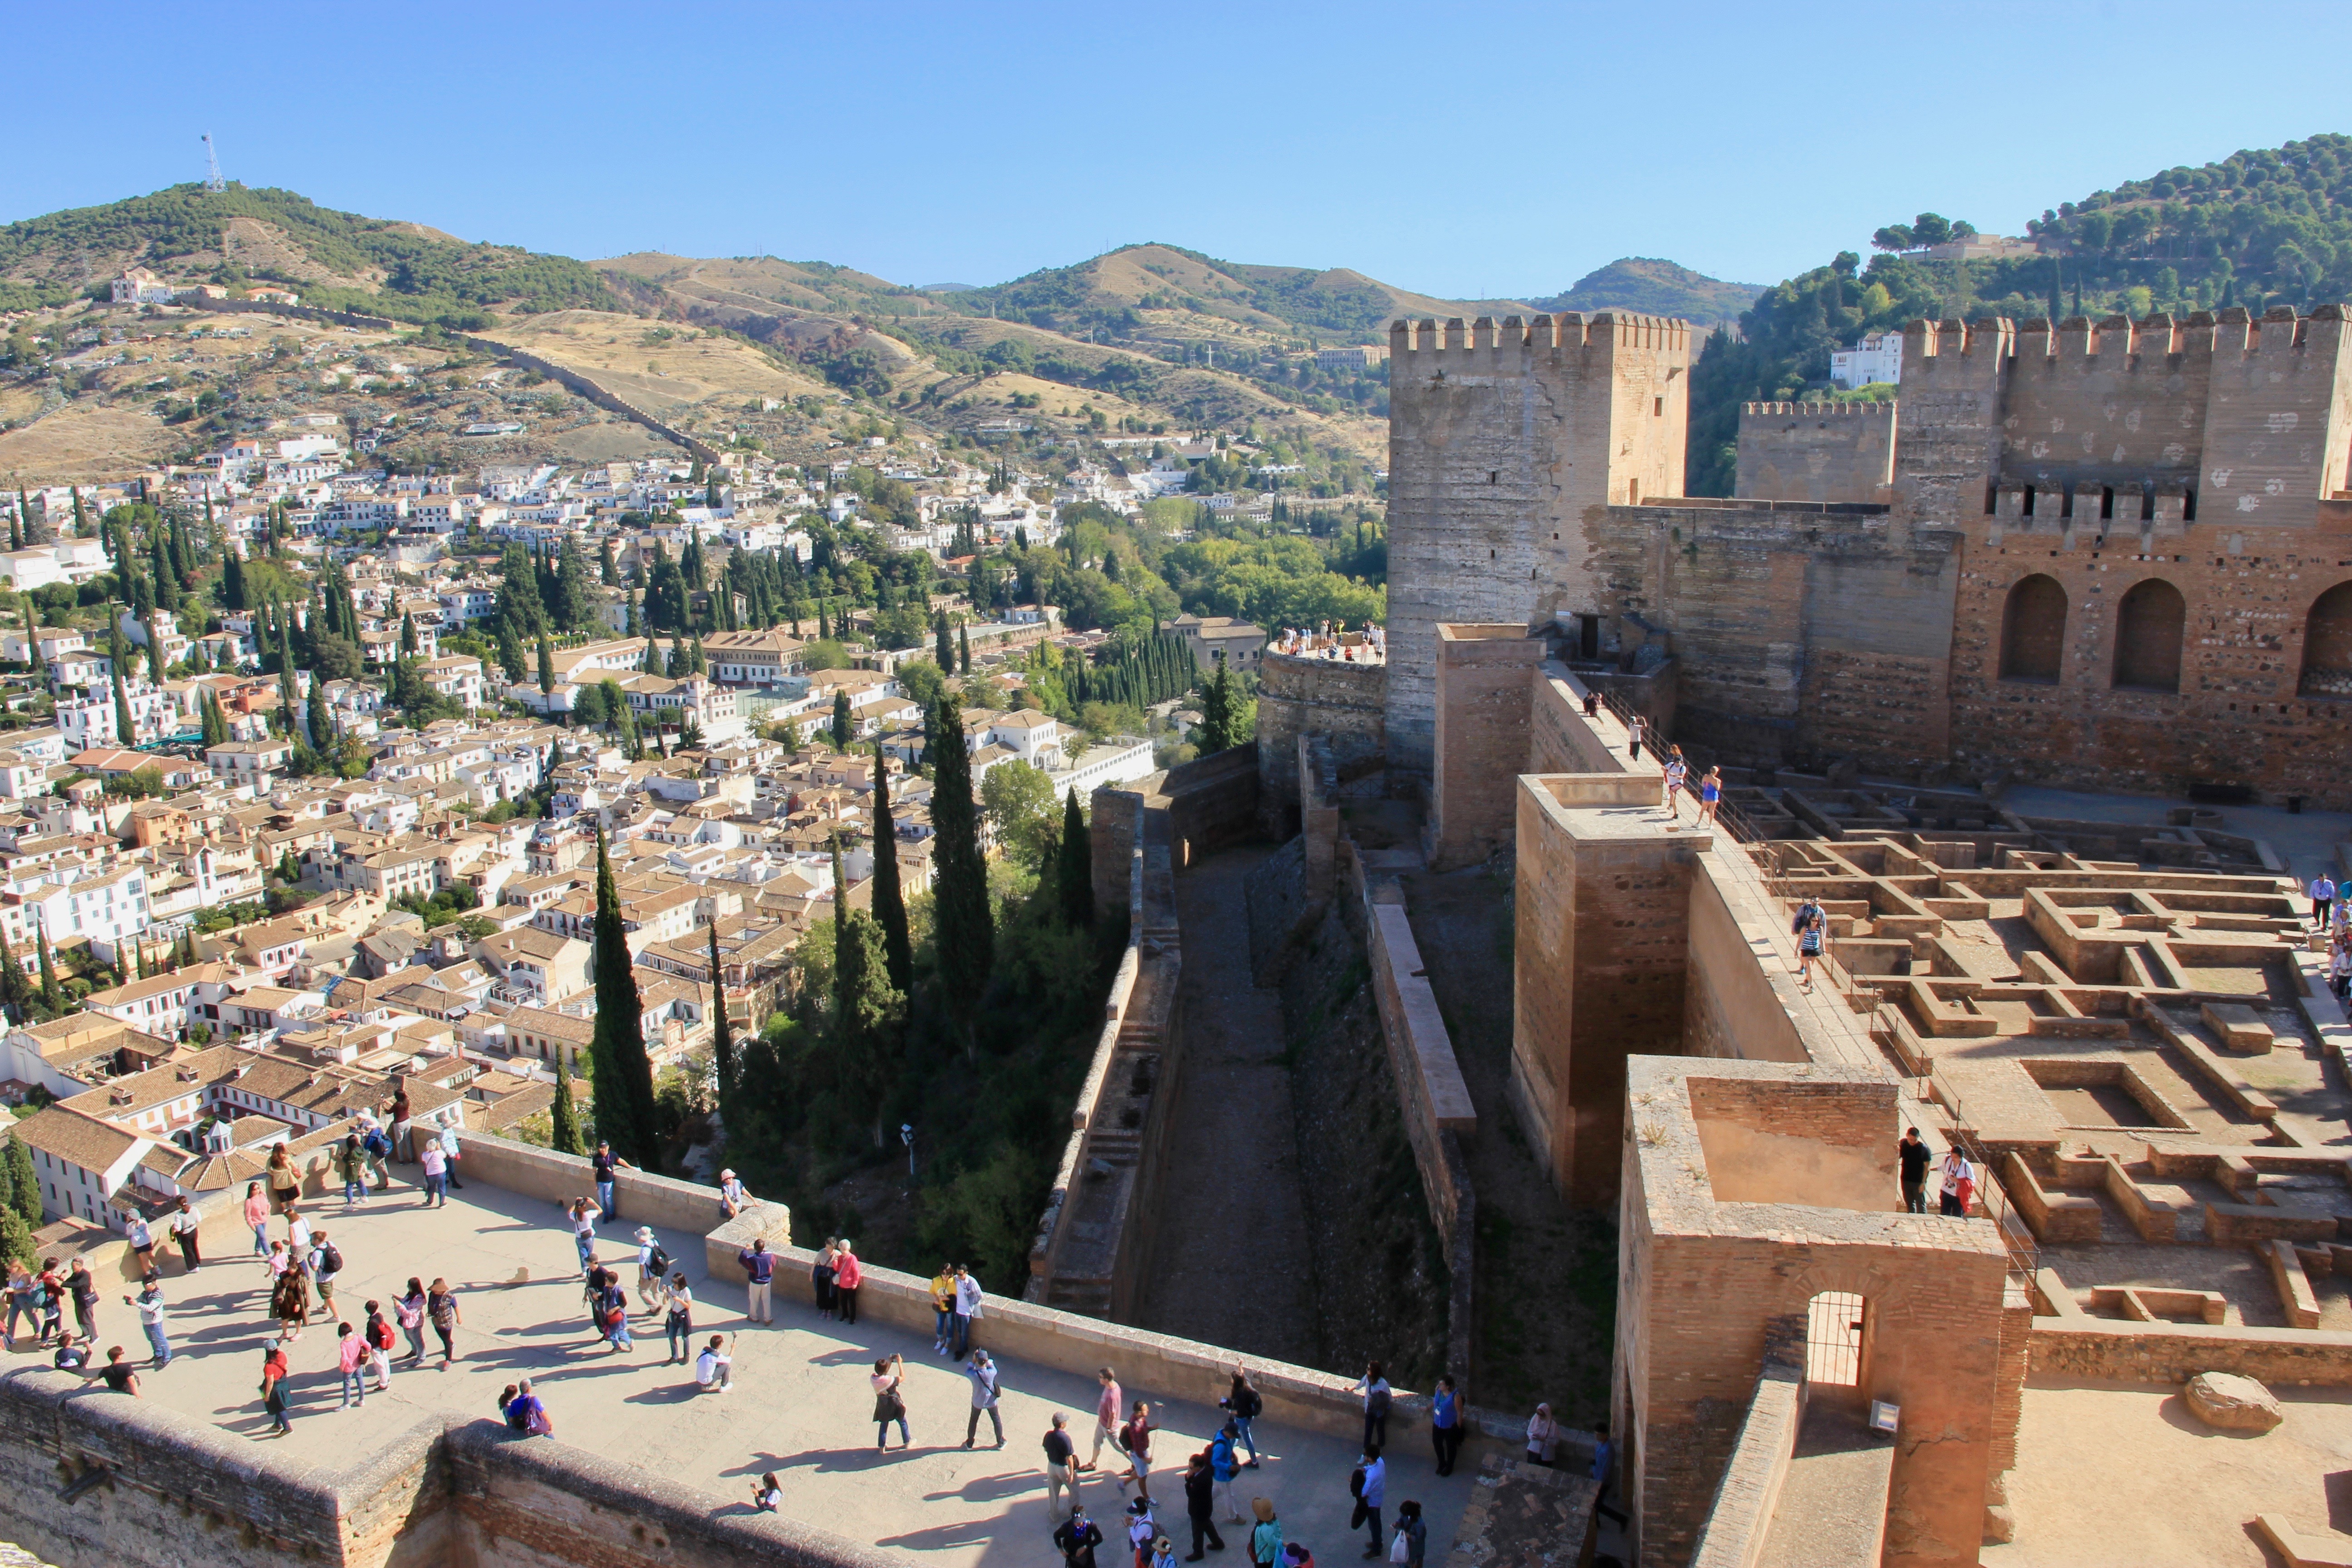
2327	644
2150	624
2034	630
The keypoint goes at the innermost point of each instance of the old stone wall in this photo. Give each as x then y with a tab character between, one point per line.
1502	438
1111	831
1345	702
1486	690
1211	802
1817	451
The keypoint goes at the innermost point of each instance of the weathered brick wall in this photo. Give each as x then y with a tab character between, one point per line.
1347	703
1486	686
1817	451
2175	1352
1730	1009
1500	438
1111	829
1212	801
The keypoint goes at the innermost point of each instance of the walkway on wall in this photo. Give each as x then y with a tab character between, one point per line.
1231	1230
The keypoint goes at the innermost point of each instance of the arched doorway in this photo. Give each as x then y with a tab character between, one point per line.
2034	630
2327	645
2150	624
1833	1339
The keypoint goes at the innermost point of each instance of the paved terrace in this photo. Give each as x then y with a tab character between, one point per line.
800	1405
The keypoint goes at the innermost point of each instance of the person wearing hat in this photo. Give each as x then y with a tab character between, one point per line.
1078	1536
733	1199
1142	1530
1265	1535
653	1268
1163	1554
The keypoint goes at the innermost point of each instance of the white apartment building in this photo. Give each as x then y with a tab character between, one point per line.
1878	357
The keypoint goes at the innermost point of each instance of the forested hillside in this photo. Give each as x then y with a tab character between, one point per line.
2264	228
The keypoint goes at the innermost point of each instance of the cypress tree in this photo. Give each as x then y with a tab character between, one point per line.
53	996
408	635
233	583
123	729
942	648
213	722
889	897
967	937
154	652
963	651
16	531
1074	868
565	1112
840	918
843	725
546	665
322	722
15	990
623	1074
722	1031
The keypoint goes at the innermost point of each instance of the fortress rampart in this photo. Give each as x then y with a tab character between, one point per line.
1818	451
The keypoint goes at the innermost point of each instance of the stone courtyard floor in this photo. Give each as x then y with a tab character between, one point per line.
800	1405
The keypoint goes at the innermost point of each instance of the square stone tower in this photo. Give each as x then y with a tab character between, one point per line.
1506	444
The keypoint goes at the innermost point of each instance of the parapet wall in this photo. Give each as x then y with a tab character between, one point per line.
1817	451
1297	696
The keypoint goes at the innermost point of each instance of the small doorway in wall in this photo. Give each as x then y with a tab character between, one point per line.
1833	1339
1588	636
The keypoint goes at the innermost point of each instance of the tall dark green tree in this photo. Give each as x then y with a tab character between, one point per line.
53	996
16	988
722	1032
942	647
623	1073
565	1113
889	895
124	730
23	1187
214	723
1073	867
407	635
232	589
967	935
963	651
546	665
844	727
1220	712
321	721
510	653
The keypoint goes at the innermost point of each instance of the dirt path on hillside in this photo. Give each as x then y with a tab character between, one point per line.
1545	1296
1231	1251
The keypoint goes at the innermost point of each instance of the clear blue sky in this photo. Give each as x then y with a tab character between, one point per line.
1463	150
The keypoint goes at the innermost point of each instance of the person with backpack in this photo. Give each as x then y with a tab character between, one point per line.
1411	1545
1368	1484
351	1165
350	1359
613	1313
273	1389
984	1395
408	1307
1265	1535
441	1307
525	1414
1811	927
1142	1530
1377	1397
378	1148
1135	1441
377	1332
1076	1537
1200	1502
677	1319
653	1268
1244	1404
1222	1471
326	1262
760	1272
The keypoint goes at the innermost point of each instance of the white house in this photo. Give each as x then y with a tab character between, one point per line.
1878	357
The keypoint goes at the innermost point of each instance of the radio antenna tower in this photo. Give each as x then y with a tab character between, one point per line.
213	181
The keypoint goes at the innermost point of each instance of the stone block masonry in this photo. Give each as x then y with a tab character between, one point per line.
1503	439
1344	703
1817	451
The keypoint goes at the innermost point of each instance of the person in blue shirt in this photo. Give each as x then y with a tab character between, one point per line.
1445	1424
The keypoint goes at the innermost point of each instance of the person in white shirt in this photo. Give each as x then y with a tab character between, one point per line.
1959	1183
732	1198
714	1368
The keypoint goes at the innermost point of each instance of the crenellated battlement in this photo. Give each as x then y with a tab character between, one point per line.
1884	411
1568	330
2113	338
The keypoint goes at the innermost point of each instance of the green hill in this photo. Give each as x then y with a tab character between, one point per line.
1655	288
189	234
2262	227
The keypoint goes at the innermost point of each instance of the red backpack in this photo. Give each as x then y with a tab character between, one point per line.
380	1335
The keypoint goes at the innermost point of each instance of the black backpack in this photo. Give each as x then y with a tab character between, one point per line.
659	1261
329	1259
1246	1404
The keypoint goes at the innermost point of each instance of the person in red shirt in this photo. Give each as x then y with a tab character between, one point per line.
273	1389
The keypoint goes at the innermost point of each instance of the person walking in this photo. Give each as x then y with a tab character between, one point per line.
183	1225
23	1299
607	1167
967	1311
441	1307
1412	1533
284	1180
984	1395
1958	1184
408	1311
677	1319
326	1262
820	1277
1109	1406
1369	1485
715	1367
1812	928
760	1271
1377	1398
1710	795
653	1268
1076	1538
890	1401
289	1302
451	1153
1912	1153
350	1361
848	1274
1543	1435
273	1390
1446	1432
1677	779
297	1237
1265	1535
943	1297
583	1232
142	1243
257	1214
1200	1505
119	1374
1640	730
150	1302
1061	1466
2323	894
613	1313
82	1286
377	1333
1142	1529
1245	1405
53	1298
435	1163
351	1166
1134	1437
